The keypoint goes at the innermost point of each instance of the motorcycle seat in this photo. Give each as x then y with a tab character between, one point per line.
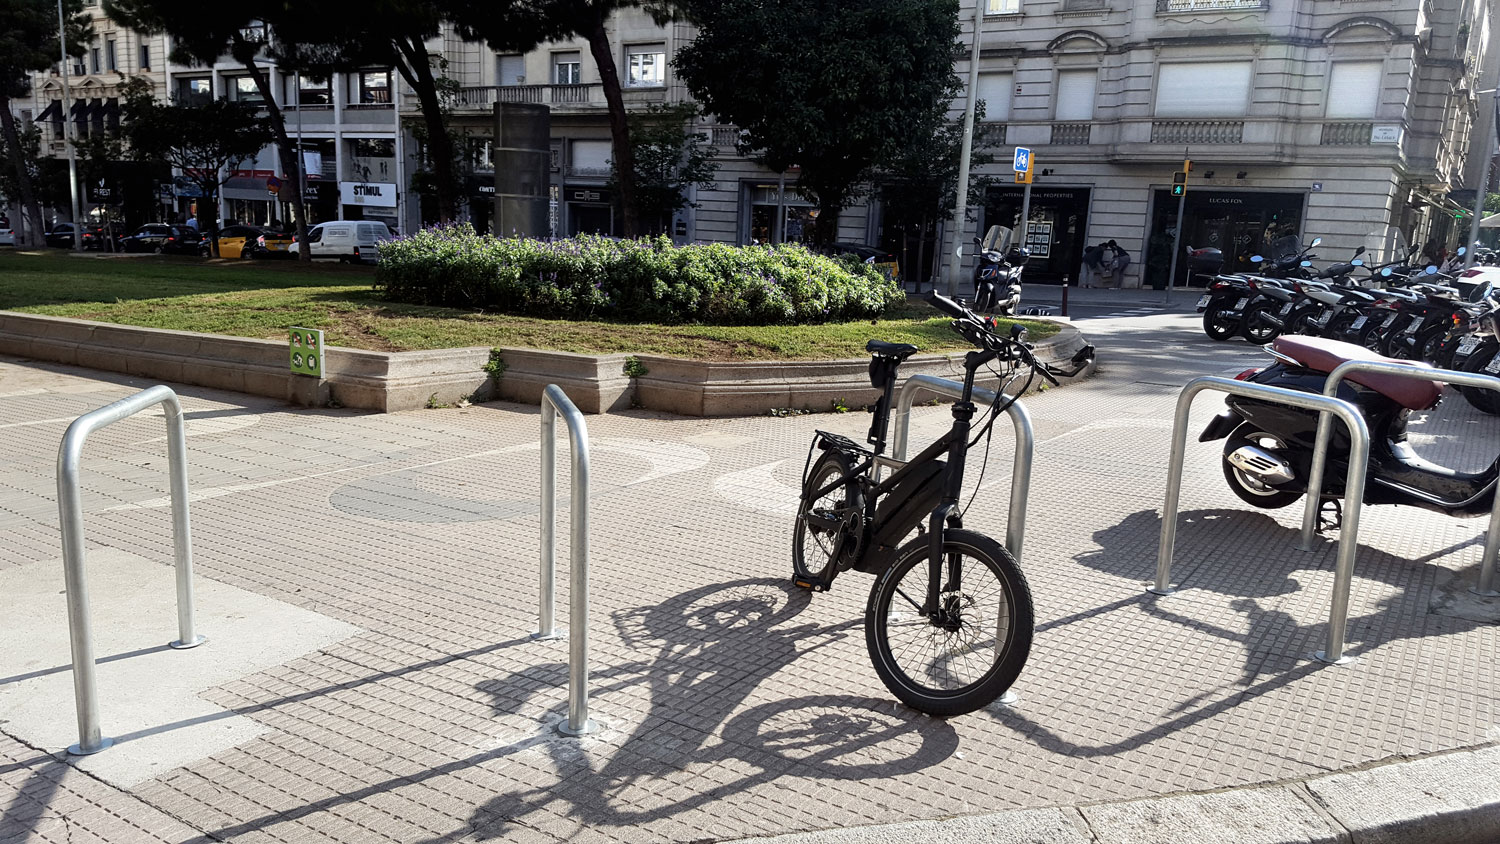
1323	355
899	351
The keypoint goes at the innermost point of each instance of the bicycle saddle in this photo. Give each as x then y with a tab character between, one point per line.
899	351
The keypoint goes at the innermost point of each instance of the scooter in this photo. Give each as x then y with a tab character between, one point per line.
1268	447
997	274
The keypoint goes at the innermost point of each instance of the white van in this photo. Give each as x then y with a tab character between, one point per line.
347	240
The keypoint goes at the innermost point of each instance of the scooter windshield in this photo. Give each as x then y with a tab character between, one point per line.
997	239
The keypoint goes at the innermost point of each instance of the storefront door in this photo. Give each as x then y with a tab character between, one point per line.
1239	223
1058	222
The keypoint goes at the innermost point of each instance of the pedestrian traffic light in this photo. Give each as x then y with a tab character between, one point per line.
1179	190
1179	183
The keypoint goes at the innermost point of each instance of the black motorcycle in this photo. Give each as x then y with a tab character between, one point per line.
997	274
1268	447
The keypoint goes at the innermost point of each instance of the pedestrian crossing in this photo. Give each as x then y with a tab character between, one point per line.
1133	312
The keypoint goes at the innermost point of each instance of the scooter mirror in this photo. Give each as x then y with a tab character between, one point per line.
1385	272
1461	251
1257	258
1359	251
978	242
1357	262
1307	263
1316	241
1431	270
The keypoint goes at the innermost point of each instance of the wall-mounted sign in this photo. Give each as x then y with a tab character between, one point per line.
1039	239
1390	134
1317	187
307	351
380	194
588	195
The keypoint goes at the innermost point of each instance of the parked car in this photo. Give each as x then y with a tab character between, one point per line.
883	260
60	236
7	234
241	241
349	241
163	237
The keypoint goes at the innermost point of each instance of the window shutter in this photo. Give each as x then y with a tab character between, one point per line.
1075	94
512	70
1354	89
994	89
591	157
1203	89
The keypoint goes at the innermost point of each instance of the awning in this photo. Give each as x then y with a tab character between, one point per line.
53	111
79	113
112	114
1490	222
96	112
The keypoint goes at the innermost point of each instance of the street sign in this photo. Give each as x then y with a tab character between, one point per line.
307	351
1022	162
273	185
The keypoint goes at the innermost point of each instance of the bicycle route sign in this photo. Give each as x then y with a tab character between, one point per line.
307	351
1023	160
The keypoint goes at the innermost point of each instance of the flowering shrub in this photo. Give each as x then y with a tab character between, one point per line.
647	280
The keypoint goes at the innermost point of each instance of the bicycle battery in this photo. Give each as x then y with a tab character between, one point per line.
901	511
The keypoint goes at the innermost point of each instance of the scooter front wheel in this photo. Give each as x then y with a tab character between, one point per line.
1218	325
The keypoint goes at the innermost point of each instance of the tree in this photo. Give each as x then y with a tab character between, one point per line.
204	32
824	85
524	24
668	159
205	142
28	42
918	184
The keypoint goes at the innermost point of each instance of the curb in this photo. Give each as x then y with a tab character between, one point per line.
1452	797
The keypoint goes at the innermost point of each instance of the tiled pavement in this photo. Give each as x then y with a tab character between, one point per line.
732	705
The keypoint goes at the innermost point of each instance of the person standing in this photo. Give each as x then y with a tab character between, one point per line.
1119	260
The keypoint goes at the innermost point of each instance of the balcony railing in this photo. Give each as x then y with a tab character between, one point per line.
1346	134
1071	134
1197	131
1171	6
484	96
990	133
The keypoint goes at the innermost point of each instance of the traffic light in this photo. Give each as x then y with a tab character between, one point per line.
1179	183
1179	190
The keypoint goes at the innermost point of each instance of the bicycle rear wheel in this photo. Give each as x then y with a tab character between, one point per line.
975	649
820	521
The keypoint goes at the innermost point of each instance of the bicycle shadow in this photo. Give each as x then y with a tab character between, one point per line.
709	649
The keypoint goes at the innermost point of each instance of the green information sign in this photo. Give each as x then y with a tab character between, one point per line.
307	351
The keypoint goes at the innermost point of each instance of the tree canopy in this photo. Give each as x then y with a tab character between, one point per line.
668	160
827	86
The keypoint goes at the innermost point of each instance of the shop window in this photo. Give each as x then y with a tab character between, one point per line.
1203	89
372	159
145	57
1003	7
375	87
646	66
1075	95
994	89
510	70
566	69
1353	89
197	90
111	56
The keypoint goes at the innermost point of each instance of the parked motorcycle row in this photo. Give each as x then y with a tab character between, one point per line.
1397	309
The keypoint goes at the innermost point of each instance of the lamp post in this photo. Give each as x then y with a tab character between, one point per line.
1487	150
961	199
69	133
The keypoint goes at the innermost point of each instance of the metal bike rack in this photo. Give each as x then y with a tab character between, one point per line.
70	511
1486	584
1020	477
555	401
1354	489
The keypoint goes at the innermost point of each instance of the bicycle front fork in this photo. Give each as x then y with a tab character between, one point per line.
945	515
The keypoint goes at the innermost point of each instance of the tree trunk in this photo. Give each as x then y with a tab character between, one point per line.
289	155
418	74
826	228
619	130
29	205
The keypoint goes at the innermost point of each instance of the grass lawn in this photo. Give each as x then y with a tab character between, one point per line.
264	298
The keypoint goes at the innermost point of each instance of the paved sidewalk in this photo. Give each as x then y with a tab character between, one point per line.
411	705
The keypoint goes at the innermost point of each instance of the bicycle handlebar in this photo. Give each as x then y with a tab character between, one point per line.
976	330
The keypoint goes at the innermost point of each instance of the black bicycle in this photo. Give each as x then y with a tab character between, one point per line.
949	619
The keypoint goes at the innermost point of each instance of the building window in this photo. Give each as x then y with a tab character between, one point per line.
590	158
994	89
255	33
1003	7
481	153
313	92
646	66
94	59
375	87
1353	89
197	90
566	69
372	159
145	57
1203	89
244	90
510	70
111	58
1075	95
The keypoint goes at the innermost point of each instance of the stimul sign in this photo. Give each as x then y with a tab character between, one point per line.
382	194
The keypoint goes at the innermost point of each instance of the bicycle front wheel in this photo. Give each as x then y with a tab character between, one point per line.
973	648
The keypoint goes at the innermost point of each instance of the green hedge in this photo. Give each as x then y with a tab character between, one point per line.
647	280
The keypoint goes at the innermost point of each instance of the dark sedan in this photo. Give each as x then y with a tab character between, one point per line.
60	236
161	237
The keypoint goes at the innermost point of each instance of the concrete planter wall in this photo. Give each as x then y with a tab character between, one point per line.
391	381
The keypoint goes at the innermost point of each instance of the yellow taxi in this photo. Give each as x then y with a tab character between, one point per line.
254	242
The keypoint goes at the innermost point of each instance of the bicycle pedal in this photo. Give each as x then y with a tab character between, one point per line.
810	584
